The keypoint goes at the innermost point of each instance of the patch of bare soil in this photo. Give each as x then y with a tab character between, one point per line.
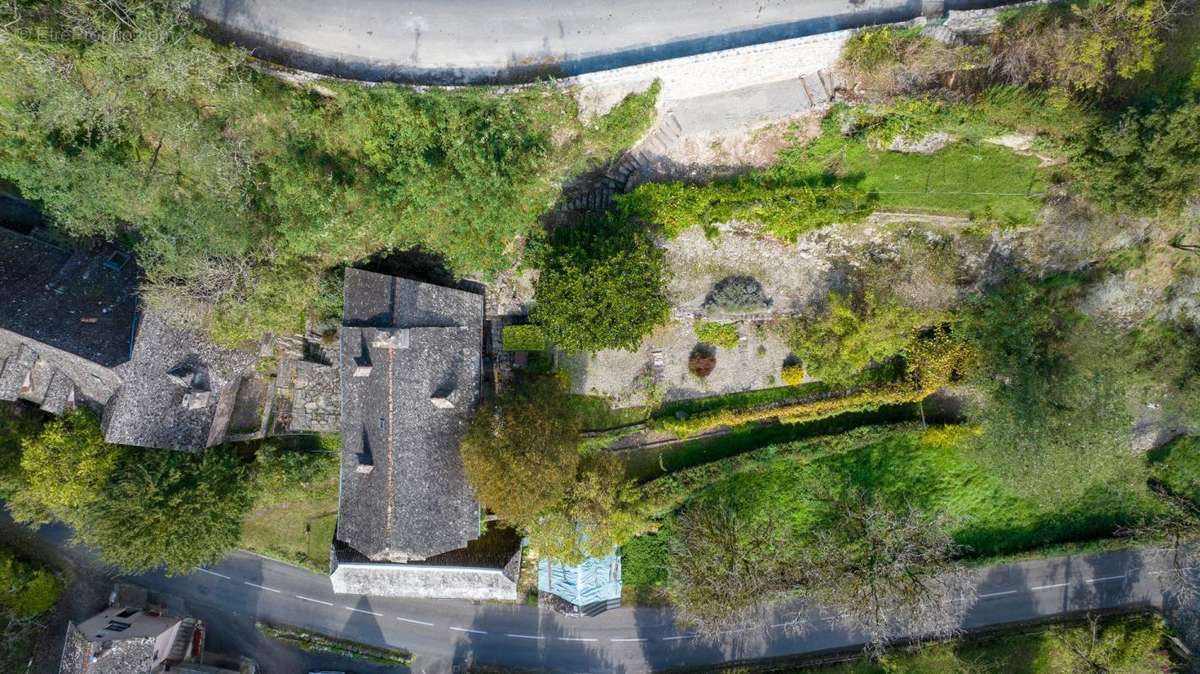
701	157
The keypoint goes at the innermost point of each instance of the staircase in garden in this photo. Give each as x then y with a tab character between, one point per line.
816	89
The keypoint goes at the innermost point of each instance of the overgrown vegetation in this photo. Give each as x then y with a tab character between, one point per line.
315	642
239	192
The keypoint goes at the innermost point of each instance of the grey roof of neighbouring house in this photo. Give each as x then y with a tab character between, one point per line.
78	302
72	300
410	377
178	390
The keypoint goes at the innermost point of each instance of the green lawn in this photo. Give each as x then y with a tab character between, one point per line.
1127	644
979	180
296	524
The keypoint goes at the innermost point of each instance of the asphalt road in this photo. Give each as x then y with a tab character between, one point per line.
477	41
243	588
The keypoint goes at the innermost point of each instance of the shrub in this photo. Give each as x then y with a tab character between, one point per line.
1143	160
738	294
787	204
1083	47
902	60
724	335
819	407
26	588
702	361
855	333
871	48
315	642
524	338
628	121
793	374
601	285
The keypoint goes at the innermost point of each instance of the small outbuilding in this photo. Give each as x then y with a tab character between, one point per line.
590	587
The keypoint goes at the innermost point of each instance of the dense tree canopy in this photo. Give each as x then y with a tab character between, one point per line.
174	510
520	453
66	467
601	285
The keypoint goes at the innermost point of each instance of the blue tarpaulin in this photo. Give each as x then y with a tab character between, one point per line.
596	579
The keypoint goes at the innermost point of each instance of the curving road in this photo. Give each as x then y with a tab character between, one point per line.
489	41
243	588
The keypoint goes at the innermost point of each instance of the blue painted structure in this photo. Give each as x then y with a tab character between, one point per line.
596	579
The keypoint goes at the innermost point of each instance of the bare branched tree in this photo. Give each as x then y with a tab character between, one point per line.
727	570
888	572
1179	528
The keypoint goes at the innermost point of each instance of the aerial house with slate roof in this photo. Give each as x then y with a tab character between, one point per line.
67	322
410	380
71	333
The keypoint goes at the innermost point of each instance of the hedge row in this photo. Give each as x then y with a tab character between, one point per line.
824	405
524	338
310	641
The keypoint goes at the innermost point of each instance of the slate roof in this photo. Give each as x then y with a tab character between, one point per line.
72	300
178	390
410	378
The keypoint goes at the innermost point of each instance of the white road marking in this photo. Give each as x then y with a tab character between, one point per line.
315	601
261	587
1104	579
794	623
360	610
577	639
525	636
214	573
997	594
684	636
1048	587
469	631
628	639
415	622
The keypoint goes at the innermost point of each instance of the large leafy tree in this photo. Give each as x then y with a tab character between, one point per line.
601	511
169	509
520	454
601	285
65	468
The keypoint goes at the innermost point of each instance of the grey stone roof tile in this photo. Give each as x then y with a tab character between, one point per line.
410	380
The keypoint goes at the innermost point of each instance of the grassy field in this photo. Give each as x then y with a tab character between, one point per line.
933	470
1177	466
1129	644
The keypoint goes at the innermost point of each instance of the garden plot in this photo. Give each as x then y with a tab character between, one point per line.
658	370
793	276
